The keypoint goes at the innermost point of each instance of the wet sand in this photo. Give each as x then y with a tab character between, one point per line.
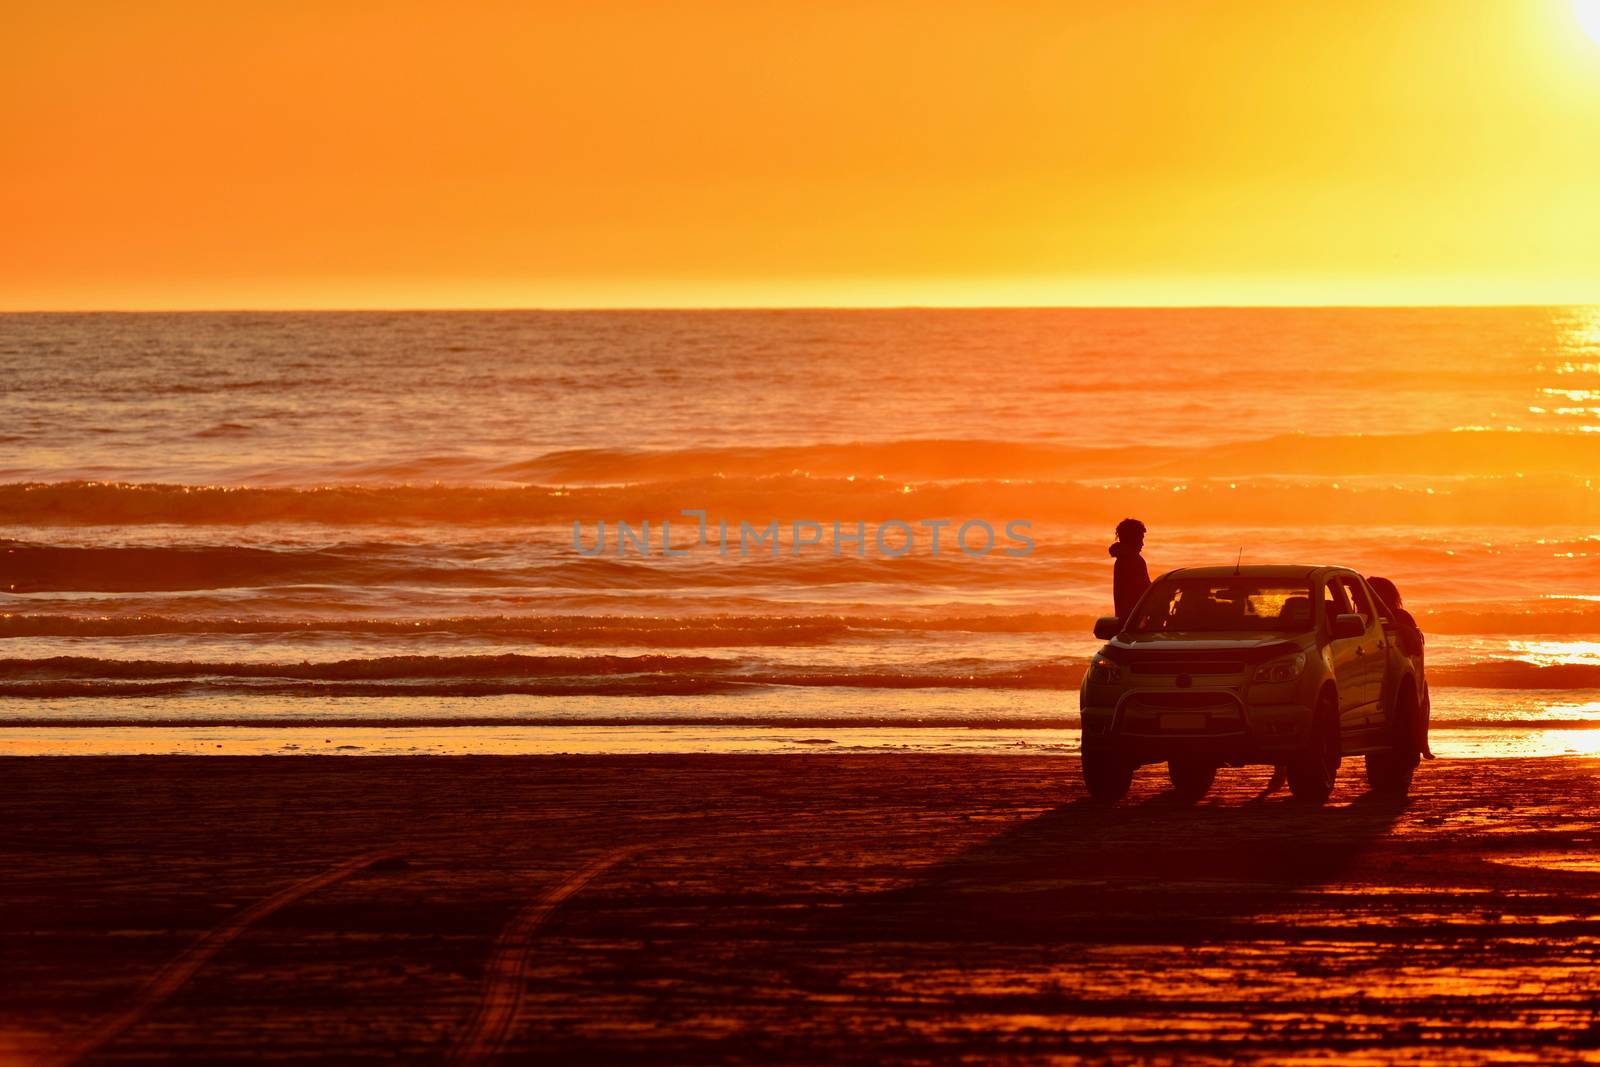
788	909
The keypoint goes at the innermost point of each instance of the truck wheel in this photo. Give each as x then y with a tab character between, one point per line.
1313	771
1107	775
1390	772
1191	778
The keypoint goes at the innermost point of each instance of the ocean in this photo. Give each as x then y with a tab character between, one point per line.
382	532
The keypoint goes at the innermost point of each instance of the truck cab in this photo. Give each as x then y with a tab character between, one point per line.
1227	666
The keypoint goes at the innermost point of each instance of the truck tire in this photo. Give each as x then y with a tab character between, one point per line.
1191	778
1313	771
1390	772
1107	775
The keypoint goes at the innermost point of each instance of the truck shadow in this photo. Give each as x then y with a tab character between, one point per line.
1138	872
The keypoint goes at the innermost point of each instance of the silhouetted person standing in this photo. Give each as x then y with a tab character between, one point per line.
1411	640
1412	644
1130	577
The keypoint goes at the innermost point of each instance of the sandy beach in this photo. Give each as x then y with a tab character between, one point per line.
788	909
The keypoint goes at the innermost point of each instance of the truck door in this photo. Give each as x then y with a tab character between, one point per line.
1345	659
1371	652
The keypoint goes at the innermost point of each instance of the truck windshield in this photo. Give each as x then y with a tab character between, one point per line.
1221	604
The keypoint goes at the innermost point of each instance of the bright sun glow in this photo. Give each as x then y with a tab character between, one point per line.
1588	12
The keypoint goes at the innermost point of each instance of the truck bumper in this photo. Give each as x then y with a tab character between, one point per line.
1252	733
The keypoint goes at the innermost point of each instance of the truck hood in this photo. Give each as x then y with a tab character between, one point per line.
1251	646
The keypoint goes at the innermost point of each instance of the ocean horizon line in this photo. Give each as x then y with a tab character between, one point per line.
787	308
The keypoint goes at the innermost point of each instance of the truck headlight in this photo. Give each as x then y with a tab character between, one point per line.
1286	669
1102	671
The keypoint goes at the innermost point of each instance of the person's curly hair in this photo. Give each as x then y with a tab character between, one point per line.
1128	529
1386	591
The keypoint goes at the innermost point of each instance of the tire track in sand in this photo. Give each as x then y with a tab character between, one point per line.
182	967
505	984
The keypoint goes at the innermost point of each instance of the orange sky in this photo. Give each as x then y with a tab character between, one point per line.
605	153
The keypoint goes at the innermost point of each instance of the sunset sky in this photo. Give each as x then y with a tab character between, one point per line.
603	153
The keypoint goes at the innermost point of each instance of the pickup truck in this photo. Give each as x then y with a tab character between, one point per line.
1297	666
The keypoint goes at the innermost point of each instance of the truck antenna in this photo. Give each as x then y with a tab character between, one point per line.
1238	561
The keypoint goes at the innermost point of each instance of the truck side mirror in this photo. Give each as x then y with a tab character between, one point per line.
1107	626
1349	626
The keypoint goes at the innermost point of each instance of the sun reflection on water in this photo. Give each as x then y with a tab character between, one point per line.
1551	653
1578	342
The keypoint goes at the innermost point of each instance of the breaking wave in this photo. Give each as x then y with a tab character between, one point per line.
718	630
1564	499
647	631
613	674
1443	454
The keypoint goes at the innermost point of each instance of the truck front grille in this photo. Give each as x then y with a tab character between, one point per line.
1230	668
1181	714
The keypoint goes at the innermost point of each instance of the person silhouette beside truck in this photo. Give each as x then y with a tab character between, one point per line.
1411	643
1129	577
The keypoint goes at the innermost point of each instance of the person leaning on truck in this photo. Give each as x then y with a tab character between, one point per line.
1411	643
1129	577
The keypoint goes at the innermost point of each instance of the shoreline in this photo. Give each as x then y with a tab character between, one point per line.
511	738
